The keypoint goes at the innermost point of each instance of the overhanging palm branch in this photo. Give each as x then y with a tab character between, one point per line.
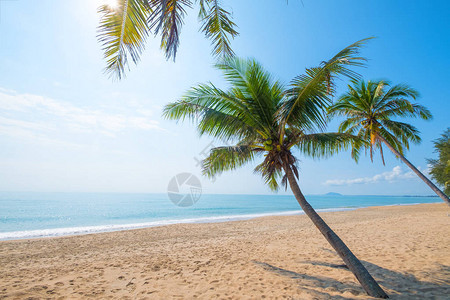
217	25
123	30
166	19
122	33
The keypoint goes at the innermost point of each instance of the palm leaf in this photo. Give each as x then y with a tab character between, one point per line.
312	90
167	19
255	89
269	173
403	131
122	33
215	112
218	27
228	158
318	145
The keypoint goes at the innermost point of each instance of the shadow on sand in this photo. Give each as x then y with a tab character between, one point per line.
397	285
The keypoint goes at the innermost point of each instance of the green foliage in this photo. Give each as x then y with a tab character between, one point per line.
217	25
123	30
369	109
264	118
310	93
440	168
166	19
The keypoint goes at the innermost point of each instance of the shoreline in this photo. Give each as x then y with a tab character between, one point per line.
87	230
405	248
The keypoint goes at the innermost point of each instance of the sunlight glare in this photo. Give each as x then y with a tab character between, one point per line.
112	4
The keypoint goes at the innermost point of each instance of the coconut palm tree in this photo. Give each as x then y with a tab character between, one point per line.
440	167
268	121
126	24
369	109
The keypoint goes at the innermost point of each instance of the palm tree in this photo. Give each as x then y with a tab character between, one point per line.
125	26
440	167
266	120
369	109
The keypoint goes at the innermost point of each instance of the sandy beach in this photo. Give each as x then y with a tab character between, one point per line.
406	248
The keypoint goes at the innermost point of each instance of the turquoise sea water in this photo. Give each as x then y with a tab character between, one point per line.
32	215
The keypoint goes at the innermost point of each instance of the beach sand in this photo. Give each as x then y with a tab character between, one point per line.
406	248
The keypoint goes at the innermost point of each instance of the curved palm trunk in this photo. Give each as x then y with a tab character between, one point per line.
368	283
426	180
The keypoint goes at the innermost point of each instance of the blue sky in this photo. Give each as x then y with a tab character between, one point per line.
65	126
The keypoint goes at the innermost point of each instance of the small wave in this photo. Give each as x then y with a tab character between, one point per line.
55	232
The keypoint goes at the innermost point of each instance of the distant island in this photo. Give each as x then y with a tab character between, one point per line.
333	194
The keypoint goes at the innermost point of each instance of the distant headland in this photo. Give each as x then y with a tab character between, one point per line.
333	194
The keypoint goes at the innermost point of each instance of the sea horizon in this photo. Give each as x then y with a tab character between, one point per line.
26	215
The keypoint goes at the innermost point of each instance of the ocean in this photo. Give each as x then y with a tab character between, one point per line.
36	215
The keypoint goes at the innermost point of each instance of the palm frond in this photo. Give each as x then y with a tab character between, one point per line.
122	33
401	91
215	113
319	145
270	174
254	88
344	107
317	85
306	101
393	140
403	131
404	108
271	169
167	20
228	158
358	145
217	25
350	125
339	65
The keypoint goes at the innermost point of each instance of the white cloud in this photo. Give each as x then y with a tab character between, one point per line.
28	115
18	132
396	174
8	122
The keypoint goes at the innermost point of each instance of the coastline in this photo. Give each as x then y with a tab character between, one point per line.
404	247
83	230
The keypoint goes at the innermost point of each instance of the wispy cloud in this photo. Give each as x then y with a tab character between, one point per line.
396	174
28	115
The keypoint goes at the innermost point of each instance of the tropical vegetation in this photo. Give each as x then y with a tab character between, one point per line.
369	109
269	121
125	27
440	167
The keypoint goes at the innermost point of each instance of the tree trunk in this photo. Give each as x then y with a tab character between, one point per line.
368	283
426	180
